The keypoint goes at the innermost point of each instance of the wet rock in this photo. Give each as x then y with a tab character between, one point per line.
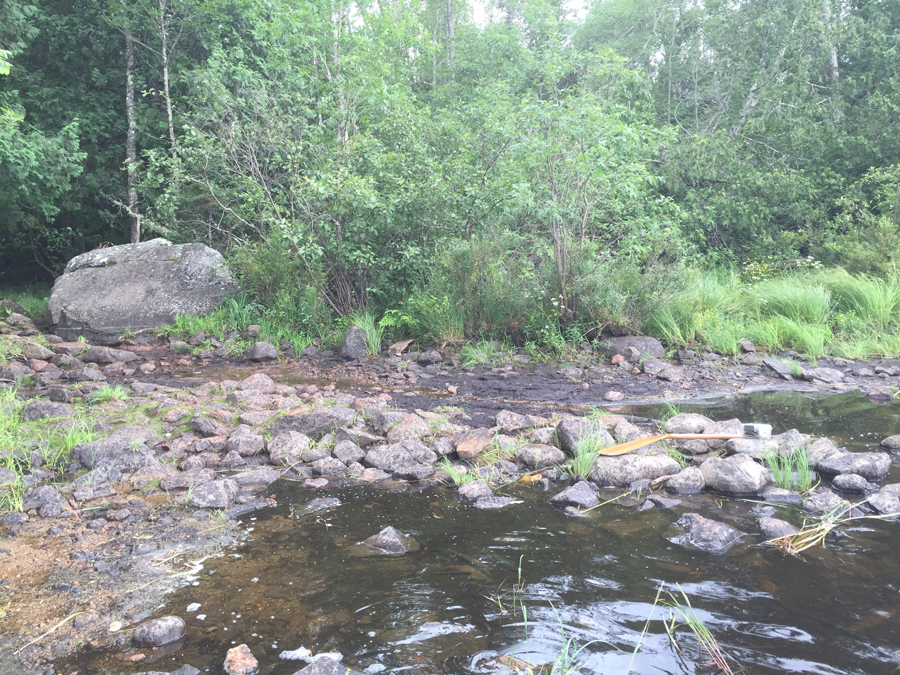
472	443
316	423
873	466
354	346
487	503
255	479
207	427
852	484
688	481
891	443
823	501
240	661
623	471
826	375
653	366
773	528
105	355
737	475
780	368
663	502
328	466
707	535
48	502
887	500
540	456
572	429
880	395
262	351
475	490
216	495
39	410
320	504
643	344
159	632
821	450
582	494
326	666
245	441
371	475
257	382
777	495
288	447
392	541
429	357
687	423
187	479
348	452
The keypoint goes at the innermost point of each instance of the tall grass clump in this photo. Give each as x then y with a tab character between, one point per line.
586	453
874	301
373	330
791	472
457	474
683	615
797	297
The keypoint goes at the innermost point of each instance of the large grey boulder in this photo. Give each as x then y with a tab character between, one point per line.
873	466
136	286
570	430
707	535
737	475
623	471
354	346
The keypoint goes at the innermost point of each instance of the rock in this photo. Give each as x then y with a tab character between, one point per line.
731	427
756	448
326	666
852	484
8	476
32	350
879	394
348	452
48	502
885	501
687	423
315	453
39	410
257	382
773	528
495	502
328	466
475	490
158	632
582	494
255	479
821	450
86	374
688	481
263	351
16	319
443	447
187	479
124	450
780	367
746	346
245	442
315	424
671	374
613	396
891	443
472	443
415	472
9	306
410	426
572	429
631	354
240	661
509	422
789	442
624	470
644	345
361	437
398	456
736	476
823	501
540	456
873	466
777	495
216	495
429	358
106	355
288	447
207	427
826	375
392	541
136	286
653	366
354	346
707	535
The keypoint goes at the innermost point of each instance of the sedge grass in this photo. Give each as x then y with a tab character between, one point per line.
684	615
791	471
458	474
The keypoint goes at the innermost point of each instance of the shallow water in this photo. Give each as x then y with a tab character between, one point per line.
527	580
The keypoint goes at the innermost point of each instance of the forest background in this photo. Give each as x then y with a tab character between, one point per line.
699	171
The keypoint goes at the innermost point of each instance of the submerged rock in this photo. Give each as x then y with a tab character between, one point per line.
495	502
773	528
392	541
326	666
824	502
707	535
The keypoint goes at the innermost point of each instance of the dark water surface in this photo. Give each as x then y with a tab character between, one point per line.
298	580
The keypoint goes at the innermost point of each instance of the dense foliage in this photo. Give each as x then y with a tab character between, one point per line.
457	169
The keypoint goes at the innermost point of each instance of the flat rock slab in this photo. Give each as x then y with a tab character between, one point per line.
707	535
625	470
495	502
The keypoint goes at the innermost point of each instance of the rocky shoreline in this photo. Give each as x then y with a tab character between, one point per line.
189	441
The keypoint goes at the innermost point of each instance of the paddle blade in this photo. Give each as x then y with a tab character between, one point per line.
623	448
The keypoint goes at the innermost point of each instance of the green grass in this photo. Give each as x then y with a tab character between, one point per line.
586	453
791	472
109	392
373	330
32	298
482	352
683	615
456	473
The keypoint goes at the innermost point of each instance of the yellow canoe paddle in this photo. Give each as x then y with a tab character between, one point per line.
624	448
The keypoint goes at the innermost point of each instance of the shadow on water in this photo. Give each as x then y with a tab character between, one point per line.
453	605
